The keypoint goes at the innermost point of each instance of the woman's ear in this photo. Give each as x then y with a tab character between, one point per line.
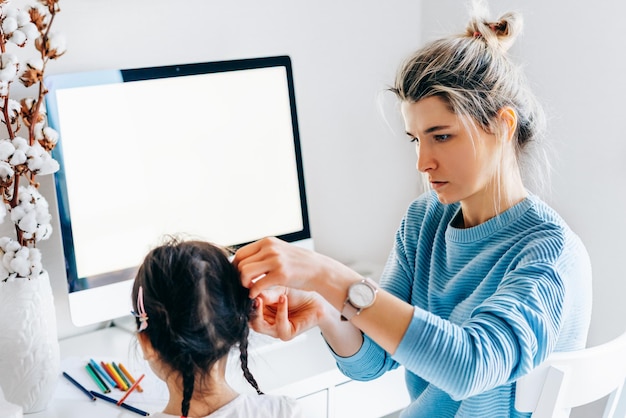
508	116
149	353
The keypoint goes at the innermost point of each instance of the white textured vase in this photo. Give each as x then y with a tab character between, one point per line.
29	347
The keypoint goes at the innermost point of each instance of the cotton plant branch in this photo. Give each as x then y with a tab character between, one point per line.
23	158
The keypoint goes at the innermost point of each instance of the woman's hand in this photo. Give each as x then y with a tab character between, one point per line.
285	313
316	285
272	262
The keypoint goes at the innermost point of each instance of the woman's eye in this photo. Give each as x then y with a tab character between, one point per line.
415	140
442	138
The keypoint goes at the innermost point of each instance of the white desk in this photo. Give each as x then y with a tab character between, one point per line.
302	368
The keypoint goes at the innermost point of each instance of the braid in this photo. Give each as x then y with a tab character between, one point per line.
198	311
188	383
243	356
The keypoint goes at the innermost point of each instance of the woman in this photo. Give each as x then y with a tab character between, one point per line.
484	281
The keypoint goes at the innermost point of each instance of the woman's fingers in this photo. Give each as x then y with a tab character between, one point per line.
283	326
254	261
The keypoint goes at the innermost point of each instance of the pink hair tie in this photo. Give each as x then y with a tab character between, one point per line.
142	315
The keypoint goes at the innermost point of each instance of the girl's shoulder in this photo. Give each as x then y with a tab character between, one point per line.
261	406
252	405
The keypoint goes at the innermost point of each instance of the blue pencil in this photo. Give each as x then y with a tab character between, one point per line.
79	386
122	405
102	373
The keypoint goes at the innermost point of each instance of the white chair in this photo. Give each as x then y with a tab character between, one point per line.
571	379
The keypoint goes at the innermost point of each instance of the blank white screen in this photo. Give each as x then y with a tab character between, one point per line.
209	155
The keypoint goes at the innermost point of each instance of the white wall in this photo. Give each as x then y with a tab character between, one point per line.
359	174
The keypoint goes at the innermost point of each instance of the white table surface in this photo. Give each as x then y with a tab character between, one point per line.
275	367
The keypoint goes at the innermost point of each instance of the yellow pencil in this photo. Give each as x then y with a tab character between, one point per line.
129	376
115	376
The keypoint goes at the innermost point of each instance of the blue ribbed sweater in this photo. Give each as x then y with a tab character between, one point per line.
491	302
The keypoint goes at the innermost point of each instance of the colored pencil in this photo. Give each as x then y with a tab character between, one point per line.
123	405
121	375
133	387
129	376
79	386
118	381
102	373
103	387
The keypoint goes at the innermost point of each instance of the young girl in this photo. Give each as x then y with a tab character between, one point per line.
191	310
485	280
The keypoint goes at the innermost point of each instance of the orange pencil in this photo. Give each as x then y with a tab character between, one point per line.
130	390
129	376
114	376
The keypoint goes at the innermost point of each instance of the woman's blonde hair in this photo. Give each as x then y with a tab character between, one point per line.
472	72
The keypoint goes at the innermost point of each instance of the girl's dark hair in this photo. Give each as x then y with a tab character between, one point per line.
197	309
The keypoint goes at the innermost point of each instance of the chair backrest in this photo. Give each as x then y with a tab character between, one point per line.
570	379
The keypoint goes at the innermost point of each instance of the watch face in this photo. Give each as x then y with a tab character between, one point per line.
361	295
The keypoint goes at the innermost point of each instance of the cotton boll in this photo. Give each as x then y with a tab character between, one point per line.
12	246
13	110
30	30
35	163
6	149
18	38
40	161
20	143
22	17
9	25
6	171
28	224
57	43
20	263
43	232
17	213
7	258
35	255
41	208
8	73
50	134
49	166
18	157
35	63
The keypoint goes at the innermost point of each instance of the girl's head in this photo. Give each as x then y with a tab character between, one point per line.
472	74
191	310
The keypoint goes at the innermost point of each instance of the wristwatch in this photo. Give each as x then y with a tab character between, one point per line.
361	295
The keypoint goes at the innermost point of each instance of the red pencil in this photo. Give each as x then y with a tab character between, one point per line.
130	390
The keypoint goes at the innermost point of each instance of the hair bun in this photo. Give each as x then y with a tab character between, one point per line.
501	34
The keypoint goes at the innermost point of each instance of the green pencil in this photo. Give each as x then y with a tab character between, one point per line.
103	387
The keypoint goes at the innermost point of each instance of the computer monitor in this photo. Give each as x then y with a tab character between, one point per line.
208	150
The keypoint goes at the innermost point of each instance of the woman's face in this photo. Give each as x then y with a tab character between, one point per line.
459	164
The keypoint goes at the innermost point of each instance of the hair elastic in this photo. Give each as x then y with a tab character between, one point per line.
142	315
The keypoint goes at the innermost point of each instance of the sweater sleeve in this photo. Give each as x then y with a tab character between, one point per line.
508	334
